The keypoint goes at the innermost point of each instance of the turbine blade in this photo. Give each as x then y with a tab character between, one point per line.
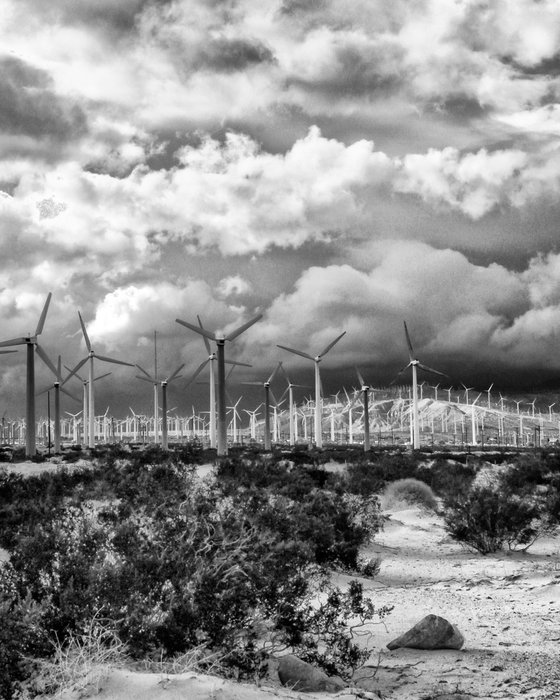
146	373
145	379
204	338
433	371
86	337
59	369
408	342
75	370
296	352
198	370
102	376
331	345
43	355
175	373
43	315
13	341
64	391
116	362
233	335
269	380
6	352
196	329
238	364
360	378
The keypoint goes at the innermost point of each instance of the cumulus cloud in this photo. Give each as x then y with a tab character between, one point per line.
455	310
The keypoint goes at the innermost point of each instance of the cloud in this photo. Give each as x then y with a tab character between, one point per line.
234	285
29	106
456	311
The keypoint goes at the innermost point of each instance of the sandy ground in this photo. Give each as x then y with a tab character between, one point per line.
505	605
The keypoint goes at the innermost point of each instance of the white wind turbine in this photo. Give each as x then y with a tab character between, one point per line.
220	341
488	392
90	356
31	342
291	412
416	364
318	399
85	400
157	383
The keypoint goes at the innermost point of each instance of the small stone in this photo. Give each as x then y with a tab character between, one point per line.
432	632
299	675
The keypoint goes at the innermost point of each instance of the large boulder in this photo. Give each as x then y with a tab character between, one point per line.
432	632
299	675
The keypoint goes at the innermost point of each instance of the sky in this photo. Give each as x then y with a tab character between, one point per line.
332	165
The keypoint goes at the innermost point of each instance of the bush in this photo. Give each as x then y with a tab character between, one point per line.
177	564
409	492
486	518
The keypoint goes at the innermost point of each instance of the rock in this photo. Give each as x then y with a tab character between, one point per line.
432	632
299	675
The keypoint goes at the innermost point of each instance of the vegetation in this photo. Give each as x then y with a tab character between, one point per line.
171	563
409	492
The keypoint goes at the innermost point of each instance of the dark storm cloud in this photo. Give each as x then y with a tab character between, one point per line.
229	55
461	108
357	70
118	16
547	67
29	106
296	7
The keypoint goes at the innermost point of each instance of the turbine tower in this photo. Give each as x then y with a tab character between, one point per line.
57	386
365	388
267	391
31	342
318	399
90	356
416	364
211	359
220	341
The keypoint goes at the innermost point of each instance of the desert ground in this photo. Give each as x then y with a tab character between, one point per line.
505	605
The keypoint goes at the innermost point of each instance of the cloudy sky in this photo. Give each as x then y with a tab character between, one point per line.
333	165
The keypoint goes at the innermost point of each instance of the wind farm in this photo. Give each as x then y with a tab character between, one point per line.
403	414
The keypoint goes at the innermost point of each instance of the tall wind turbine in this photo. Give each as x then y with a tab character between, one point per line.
416	364
31	342
163	383
211	359
57	386
365	389
220	341
266	385
318	398
290	391
90	356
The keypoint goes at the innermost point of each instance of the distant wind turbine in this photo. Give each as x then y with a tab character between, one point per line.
31	342
416	364
57	386
318	398
267	392
220	341
365	389
90	356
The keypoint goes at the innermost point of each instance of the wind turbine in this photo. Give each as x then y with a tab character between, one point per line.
31	342
85	399
488	392
57	386
290	391
266	385
220	341
365	389
90	356
318	398
212	357
416	364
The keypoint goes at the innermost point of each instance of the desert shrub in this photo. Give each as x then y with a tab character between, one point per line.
447	477
369	475
22	636
487	518
409	492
